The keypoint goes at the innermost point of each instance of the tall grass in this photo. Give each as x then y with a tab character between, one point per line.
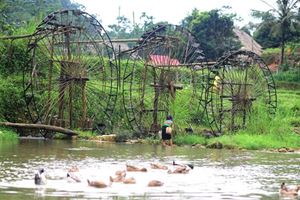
262	130
288	76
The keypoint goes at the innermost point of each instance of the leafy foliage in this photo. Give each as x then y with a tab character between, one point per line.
124	28
279	25
7	134
19	13
214	31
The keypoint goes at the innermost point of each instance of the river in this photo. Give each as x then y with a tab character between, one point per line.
218	174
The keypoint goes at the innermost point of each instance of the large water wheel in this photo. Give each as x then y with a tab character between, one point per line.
71	79
160	72
238	84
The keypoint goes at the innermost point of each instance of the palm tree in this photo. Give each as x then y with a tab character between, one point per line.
286	13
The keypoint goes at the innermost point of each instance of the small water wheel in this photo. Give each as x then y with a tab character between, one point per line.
238	84
71	79
158	72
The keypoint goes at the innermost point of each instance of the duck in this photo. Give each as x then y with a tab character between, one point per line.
191	166
116	179
40	178
119	177
130	180
179	170
158	166
155	183
97	184
73	174
73	169
285	191
73	177
120	172
131	168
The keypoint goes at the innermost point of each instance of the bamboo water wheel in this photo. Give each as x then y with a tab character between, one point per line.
239	84
160	71
71	78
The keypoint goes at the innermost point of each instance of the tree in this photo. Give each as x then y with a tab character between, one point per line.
279	25
214	31
121	29
125	29
265	33
19	13
4	26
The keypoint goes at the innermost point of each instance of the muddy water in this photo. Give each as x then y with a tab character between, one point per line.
218	174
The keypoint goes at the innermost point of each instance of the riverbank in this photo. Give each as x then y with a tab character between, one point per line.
262	131
243	141
272	141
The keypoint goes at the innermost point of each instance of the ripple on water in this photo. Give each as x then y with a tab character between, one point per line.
83	149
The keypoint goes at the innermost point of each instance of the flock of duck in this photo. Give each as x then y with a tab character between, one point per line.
119	176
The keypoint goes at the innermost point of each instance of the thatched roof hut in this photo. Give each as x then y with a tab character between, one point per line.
248	43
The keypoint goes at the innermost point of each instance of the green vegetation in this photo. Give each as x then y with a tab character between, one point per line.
213	29
261	131
190	140
279	25
288	76
19	14
86	134
7	135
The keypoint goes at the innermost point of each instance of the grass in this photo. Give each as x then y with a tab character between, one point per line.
189	140
262	131
288	76
244	141
86	134
255	141
8	135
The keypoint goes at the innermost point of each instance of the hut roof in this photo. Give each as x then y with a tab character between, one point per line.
248	43
162	60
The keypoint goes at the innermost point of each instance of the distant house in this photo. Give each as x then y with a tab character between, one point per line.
248	43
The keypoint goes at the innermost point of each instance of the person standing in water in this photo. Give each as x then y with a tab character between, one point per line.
166	131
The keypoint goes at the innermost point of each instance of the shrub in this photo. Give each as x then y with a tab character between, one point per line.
7	134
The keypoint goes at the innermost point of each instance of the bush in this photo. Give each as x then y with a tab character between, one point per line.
12	107
123	136
13	57
7	134
86	134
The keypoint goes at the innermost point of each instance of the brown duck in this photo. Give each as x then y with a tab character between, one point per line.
285	191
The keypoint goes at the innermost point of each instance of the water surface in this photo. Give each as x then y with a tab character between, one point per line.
218	174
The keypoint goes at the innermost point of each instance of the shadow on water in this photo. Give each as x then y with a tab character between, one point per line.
218	174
